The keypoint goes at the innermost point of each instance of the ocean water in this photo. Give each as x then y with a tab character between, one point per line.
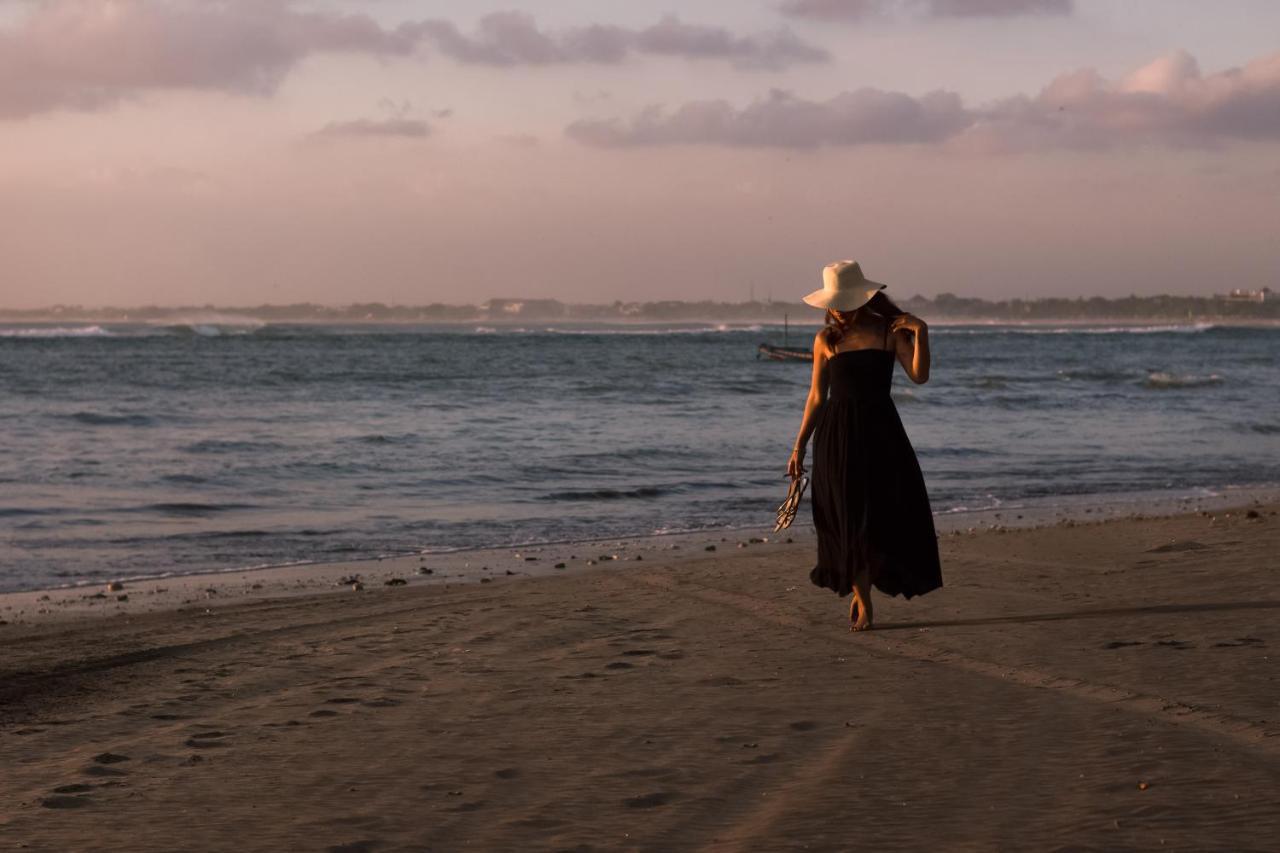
136	450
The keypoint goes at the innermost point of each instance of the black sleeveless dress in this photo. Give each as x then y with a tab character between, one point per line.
870	507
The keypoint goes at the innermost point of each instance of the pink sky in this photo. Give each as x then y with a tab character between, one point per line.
249	151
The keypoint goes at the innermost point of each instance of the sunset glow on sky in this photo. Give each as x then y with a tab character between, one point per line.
247	151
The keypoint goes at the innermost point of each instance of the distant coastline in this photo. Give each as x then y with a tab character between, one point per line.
945	308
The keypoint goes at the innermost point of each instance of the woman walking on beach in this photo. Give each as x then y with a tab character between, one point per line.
870	508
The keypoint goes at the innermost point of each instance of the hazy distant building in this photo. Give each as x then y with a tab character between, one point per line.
1239	294
524	309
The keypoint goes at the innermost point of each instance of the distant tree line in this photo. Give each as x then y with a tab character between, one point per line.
945	306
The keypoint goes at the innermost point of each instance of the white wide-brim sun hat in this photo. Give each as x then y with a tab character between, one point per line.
844	287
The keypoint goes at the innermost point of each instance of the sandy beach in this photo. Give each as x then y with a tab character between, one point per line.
1080	685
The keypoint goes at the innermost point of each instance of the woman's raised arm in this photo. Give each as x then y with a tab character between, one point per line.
913	348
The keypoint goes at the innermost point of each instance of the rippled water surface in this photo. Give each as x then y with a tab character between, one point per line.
133	450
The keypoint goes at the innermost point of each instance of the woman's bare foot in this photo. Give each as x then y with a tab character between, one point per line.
861	605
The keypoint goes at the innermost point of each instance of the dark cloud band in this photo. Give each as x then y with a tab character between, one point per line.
856	10
87	54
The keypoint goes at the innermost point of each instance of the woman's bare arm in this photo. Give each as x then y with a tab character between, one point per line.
817	395
911	343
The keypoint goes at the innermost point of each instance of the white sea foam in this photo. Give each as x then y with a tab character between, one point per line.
212	324
55	332
648	330
1164	379
1081	330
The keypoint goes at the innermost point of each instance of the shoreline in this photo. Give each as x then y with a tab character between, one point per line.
734	323
485	564
1098	685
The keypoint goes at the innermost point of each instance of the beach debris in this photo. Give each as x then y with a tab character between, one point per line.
124	596
559	565
357	586
756	540
788	540
1142	786
394	582
637	557
1253	513
591	562
423	570
109	758
486	580
350	580
742	544
710	548
510	572
530	559
115	586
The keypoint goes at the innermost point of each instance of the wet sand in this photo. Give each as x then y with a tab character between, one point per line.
1104	685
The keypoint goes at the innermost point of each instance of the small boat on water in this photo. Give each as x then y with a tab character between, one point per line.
784	352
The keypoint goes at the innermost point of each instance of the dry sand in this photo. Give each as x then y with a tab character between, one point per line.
1105	686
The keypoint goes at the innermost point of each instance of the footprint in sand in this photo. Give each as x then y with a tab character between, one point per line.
109	758
618	664
649	801
78	788
639	652
1176	644
1239	642
64	802
100	771
323	713
206	740
367	846
1120	644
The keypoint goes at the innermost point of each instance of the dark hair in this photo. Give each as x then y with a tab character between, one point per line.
880	305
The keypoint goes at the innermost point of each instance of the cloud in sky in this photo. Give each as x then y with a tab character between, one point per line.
781	119
390	127
513	38
1168	101
88	54
857	10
